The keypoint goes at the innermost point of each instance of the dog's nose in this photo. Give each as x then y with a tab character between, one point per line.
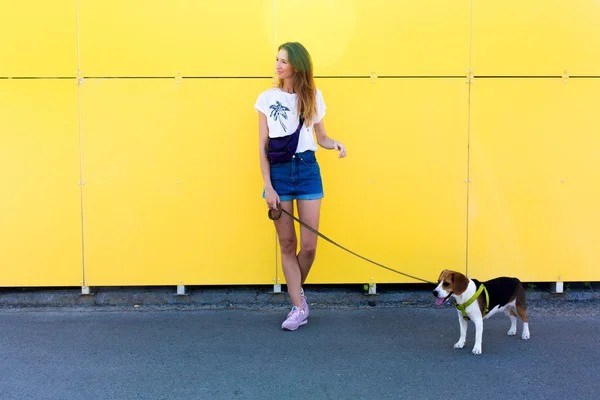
435	293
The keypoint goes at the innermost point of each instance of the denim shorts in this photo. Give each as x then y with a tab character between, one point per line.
299	179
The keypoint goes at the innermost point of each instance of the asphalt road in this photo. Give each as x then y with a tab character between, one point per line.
378	353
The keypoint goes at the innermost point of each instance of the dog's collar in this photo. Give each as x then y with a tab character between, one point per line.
462	307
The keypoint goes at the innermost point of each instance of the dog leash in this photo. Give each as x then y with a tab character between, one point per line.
313	230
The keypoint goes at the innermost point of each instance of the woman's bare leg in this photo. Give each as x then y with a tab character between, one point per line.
309	211
289	261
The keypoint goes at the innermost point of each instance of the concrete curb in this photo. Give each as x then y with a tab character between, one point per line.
258	297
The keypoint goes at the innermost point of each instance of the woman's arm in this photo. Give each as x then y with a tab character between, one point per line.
265	167
326	142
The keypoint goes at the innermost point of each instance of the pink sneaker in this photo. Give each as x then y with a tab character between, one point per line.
304	302
295	318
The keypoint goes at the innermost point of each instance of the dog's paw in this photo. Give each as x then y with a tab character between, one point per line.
459	345
476	350
512	332
525	335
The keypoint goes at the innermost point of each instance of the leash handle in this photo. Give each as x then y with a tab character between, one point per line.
275	217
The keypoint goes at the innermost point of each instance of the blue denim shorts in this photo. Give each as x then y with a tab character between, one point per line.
299	179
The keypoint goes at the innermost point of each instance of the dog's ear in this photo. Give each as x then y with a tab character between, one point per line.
443	273
459	283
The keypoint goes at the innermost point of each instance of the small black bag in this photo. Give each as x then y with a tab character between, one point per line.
282	149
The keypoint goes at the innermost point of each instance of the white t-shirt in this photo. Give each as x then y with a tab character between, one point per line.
282	116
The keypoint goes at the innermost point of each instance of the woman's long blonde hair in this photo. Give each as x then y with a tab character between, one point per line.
304	83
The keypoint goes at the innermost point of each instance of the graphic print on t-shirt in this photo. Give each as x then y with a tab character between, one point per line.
278	110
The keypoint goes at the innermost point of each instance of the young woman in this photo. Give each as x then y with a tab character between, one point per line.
282	109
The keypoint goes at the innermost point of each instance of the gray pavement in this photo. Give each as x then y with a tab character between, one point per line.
401	351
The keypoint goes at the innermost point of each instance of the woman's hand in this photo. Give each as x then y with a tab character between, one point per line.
272	198
339	147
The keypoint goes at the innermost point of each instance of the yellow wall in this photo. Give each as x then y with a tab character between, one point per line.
146	172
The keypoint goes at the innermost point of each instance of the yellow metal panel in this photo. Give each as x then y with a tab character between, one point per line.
385	37
40	205
39	38
163	38
539	37
173	186
533	201
399	197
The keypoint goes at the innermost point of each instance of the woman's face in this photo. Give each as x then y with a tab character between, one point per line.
283	66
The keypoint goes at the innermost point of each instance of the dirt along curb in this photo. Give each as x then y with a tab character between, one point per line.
249	297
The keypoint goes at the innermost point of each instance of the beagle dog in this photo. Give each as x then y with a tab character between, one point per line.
480	300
